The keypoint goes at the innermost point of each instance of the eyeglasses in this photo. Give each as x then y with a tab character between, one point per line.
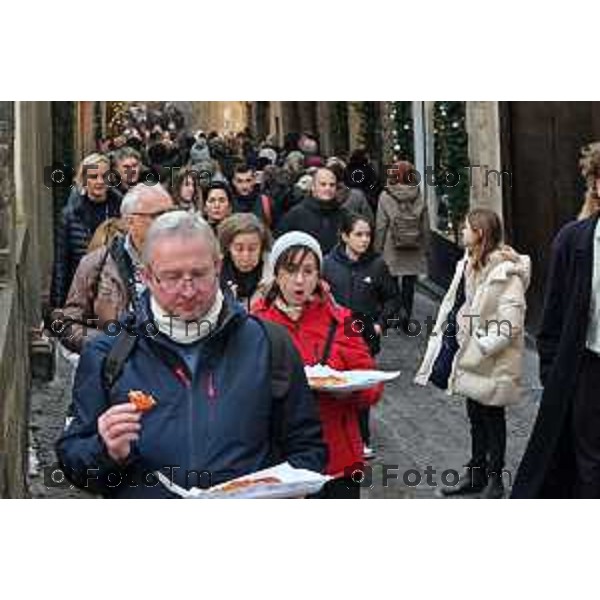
174	282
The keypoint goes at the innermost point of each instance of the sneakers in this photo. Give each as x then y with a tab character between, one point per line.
368	452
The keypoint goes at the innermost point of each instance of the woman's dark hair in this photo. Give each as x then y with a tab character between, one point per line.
182	175
350	219
219	185
289	260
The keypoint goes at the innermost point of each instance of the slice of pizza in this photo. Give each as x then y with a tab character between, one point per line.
142	401
326	381
241	484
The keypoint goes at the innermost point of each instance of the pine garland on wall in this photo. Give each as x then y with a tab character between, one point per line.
451	151
403	133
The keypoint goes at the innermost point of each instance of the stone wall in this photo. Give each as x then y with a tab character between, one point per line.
26	250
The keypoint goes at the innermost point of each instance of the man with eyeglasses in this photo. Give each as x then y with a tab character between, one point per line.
230	393
108	281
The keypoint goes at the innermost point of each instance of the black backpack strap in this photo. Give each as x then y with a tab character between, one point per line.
125	267
329	341
281	361
115	360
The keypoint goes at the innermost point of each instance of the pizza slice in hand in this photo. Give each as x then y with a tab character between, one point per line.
142	401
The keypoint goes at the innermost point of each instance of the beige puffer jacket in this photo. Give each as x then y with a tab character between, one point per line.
491	334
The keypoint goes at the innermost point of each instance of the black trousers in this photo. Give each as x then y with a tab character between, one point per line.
586	428
363	423
407	293
488	436
342	488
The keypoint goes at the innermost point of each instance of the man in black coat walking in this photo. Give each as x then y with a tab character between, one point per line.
319	215
562	459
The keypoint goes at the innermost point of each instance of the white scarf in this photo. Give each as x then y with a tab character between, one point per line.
186	332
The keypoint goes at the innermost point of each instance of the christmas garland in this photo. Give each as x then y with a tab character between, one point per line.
403	132
451	161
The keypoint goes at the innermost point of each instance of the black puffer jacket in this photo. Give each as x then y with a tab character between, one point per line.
80	218
320	219
366	287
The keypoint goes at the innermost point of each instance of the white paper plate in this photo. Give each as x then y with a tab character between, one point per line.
354	380
295	483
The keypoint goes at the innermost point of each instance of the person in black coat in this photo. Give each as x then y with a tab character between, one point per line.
91	203
562	459
360	280
319	215
247	198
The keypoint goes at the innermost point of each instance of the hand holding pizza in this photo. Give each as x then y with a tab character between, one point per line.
120	425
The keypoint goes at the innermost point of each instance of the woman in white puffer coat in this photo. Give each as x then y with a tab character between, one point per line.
476	348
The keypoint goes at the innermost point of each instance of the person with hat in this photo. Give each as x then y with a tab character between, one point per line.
321	331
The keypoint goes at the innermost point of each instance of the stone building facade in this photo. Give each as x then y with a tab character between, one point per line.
25	266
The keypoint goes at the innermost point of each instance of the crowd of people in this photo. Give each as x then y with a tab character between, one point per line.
252	262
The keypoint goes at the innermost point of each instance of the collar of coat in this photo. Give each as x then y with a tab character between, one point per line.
232	315
503	264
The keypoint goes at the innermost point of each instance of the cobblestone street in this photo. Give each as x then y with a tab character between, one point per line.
413	427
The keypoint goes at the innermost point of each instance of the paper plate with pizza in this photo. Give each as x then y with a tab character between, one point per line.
280	481
326	379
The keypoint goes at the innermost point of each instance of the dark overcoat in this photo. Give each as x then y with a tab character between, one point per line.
547	469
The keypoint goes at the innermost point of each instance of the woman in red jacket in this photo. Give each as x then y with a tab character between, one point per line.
319	328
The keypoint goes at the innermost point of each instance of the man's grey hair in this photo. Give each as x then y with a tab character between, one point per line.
179	223
130	201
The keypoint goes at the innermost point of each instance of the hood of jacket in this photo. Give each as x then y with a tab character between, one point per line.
507	262
403	193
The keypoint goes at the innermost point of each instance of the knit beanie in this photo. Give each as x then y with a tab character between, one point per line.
294	238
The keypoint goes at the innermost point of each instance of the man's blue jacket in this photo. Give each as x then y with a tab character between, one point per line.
219	422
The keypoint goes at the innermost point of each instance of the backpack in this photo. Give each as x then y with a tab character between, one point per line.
405	226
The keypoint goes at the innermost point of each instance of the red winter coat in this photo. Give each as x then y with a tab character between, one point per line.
339	414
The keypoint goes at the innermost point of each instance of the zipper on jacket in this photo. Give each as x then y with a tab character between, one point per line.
182	376
211	390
